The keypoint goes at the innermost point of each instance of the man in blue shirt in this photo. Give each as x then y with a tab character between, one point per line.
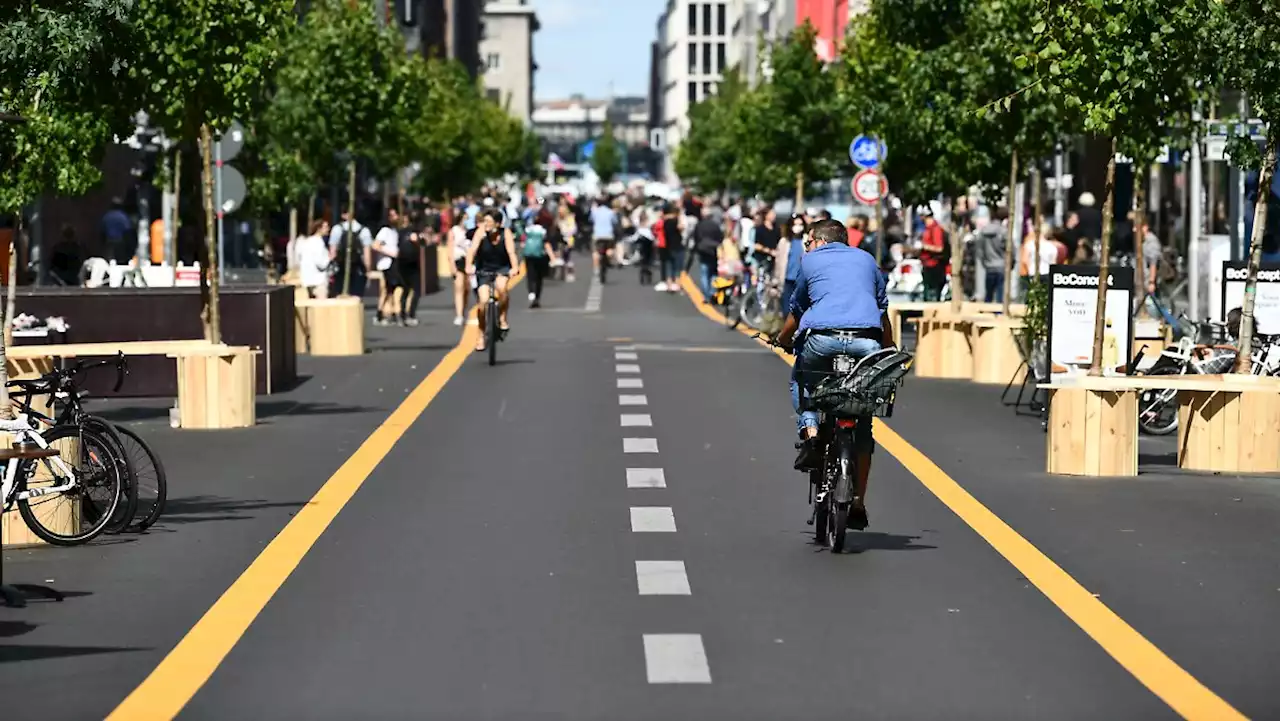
839	308
604	232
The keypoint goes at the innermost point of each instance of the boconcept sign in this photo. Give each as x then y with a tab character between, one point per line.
1067	280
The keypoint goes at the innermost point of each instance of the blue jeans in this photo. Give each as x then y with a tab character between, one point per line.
788	290
995	287
813	359
708	275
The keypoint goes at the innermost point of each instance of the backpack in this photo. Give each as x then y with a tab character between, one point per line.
535	237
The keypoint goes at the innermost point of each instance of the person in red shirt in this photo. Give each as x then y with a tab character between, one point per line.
933	256
856	225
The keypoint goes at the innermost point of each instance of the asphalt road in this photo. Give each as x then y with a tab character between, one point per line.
605	526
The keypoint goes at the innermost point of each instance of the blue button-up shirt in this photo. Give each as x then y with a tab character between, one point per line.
839	287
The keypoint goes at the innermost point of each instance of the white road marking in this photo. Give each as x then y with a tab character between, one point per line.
646	478
675	658
662	578
625	356
630	420
652	519
594	294
639	445
624	347
633	401
630	383
626	368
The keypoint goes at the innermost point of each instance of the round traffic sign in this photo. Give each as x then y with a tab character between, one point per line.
232	188
867	152
230	142
869	187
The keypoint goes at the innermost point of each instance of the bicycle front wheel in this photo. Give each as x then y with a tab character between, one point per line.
150	482
491	331
128	505
78	513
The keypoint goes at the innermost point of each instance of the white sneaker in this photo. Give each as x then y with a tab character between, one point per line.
661	287
532	297
457	320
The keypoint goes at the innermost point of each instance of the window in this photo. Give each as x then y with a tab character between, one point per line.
484	31
492	61
706	18
693	19
706	59
708	89
720	19
493	94
720	57
693	93
693	58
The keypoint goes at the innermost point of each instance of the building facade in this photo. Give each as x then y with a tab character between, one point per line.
438	28
506	55
567	126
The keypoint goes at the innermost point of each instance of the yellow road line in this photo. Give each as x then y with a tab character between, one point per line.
1155	670
191	663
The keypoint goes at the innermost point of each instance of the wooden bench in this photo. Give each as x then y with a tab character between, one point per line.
1226	423
997	358
898	310
330	326
943	346
211	378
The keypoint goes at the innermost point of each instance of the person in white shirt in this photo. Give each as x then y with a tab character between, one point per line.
359	263
386	248
312	257
459	243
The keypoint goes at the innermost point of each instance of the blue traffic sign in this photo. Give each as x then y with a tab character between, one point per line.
588	149
867	152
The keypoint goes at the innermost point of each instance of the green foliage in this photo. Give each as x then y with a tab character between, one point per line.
1251	29
606	159
710	153
1036	321
206	61
62	66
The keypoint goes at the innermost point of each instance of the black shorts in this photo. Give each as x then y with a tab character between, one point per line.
460	265
391	278
603	244
488	276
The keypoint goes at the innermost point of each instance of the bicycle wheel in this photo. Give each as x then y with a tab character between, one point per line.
838	525
76	515
491	330
1158	409
842	493
128	505
149	480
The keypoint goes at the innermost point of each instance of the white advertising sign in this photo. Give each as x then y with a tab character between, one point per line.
1266	306
1073	305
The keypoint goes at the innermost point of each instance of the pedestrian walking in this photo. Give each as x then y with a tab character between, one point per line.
537	249
386	248
991	238
459	243
312	258
933	256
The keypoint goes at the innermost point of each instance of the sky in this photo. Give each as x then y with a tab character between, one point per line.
587	46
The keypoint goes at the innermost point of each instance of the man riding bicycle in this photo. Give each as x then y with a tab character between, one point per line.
839	308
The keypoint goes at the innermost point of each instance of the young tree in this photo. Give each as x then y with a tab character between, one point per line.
1250	33
61	66
202	64
716	151
606	158
1125	66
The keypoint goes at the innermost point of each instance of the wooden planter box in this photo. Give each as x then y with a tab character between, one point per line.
943	347
897	311
216	387
997	359
59	512
1231	429
1093	432
333	326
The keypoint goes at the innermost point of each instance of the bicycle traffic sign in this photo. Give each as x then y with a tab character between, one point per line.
869	187
867	152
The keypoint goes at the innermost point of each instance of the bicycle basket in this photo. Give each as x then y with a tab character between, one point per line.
868	389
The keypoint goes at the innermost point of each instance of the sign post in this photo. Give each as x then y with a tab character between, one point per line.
1073	306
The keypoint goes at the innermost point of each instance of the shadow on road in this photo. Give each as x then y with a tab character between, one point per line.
201	509
860	541
11	653
273	409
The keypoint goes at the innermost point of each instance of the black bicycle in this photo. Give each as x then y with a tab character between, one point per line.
145	490
854	389
492	333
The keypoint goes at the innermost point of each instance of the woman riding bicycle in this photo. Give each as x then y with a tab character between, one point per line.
491	257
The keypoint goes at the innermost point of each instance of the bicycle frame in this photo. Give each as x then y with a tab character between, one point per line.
26	435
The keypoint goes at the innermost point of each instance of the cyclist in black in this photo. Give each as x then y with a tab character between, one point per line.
491	258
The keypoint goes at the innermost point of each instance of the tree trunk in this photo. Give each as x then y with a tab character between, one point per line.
1013	233
1245	357
1104	263
799	191
177	211
1139	234
1037	220
6	318
311	211
351	216
268	253
291	247
957	262
209	279
11	284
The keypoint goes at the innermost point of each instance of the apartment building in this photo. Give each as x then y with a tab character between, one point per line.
506	55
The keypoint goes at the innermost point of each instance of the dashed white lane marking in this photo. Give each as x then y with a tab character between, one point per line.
652	519
639	445
633	401
630	383
636	420
625	356
675	658
594	294
626	368
662	578
646	478
625	347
